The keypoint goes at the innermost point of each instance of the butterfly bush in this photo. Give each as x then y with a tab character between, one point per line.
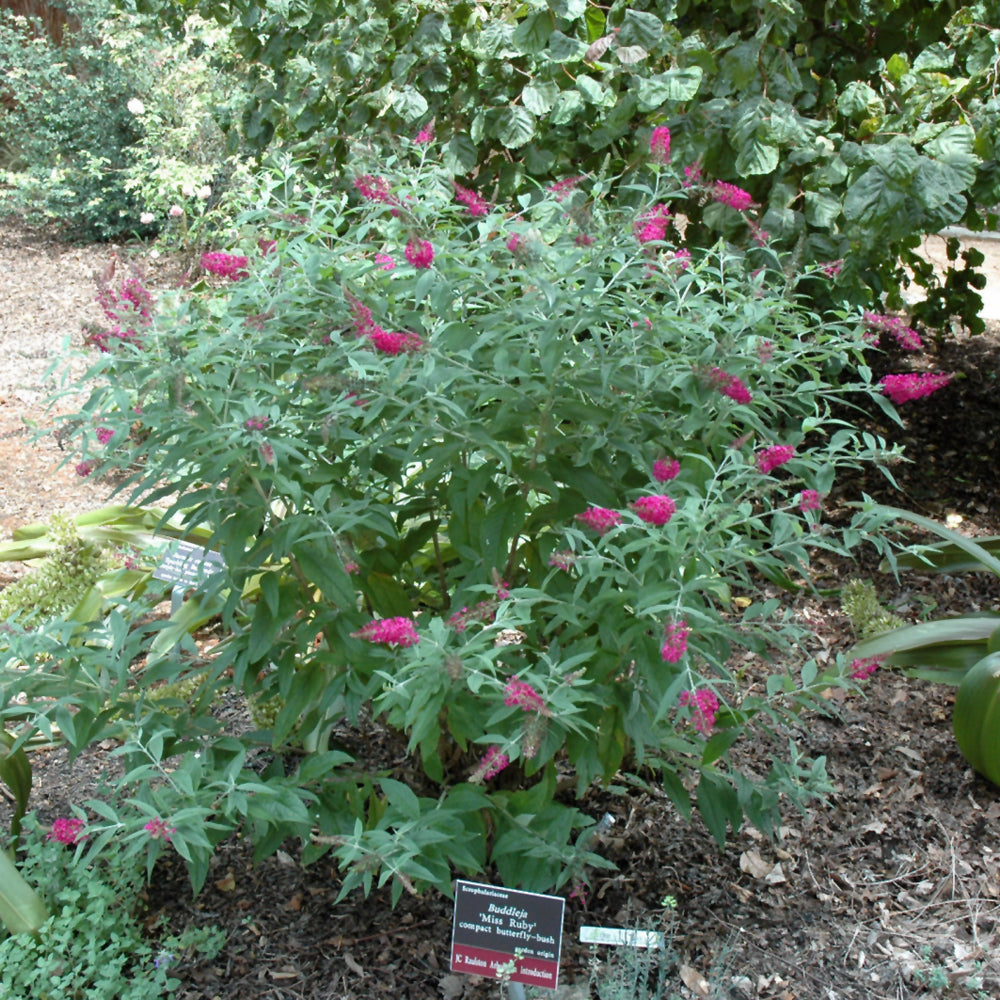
436	494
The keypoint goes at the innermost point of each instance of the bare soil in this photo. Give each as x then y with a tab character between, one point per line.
889	889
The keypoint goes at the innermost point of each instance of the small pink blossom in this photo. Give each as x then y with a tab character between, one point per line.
225	265
665	469
861	670
601	519
656	509
522	695
104	434
730	385
583	240
266	246
66	831
810	500
419	253
875	325
765	351
266	453
175	211
675	641
682	258
159	830
659	144
903	388
692	176
384	261
256	423
389	632
832	267
768	459
474	203
731	195
705	705
651	226
84	469
399	342
565	187
425	136
564	559
375	189
351	568
515	243
492	763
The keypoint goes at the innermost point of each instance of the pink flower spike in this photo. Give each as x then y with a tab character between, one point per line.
492	763
651	226
158	830
659	144
675	641
861	670
394	343
705	705
601	519
810	500
384	261
665	469
656	509
565	187
522	695
225	265
768	459
66	831
903	388
731	195
425	135
374	189
419	253
474	203
730	385
104	434
389	632
692	176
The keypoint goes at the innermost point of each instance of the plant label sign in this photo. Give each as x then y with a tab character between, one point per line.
186	565
498	930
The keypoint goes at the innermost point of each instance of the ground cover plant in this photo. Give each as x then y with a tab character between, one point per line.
501	480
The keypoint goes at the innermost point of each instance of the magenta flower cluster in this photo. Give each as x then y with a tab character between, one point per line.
256	423
389	632
665	469
600	519
731	195
375	189
399	342
730	385
907	338
492	763
565	187
522	695
66	831
475	204
903	388
768	459
420	253
704	706
159	830
861	670
651	226
675	641
129	306
656	509
225	265
659	144
810	500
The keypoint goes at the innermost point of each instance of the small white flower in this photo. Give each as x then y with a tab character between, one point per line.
146	218
188	191
204	193
176	211
136	106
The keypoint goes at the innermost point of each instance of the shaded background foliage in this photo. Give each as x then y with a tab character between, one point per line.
857	125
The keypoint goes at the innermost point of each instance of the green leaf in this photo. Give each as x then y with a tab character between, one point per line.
949	558
674	85
568	105
719	806
570	9
15	773
515	126
564	49
532	35
926	635
976	718
640	28
595	92
757	158
982	555
539	96
821	210
21	909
